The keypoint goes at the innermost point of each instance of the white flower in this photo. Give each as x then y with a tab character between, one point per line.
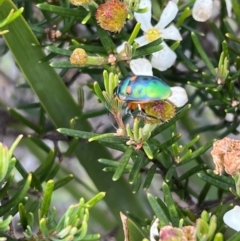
142	66
202	9
154	230
232	218
166	57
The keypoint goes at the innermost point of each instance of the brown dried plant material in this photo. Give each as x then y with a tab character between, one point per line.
169	233
226	155
189	233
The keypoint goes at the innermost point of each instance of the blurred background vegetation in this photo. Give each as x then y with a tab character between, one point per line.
50	109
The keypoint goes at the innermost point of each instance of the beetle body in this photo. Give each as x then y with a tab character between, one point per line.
142	89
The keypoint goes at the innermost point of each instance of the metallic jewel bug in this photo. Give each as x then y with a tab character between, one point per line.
139	90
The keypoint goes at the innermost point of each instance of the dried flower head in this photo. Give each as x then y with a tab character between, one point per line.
189	233
112	15
226	155
79	57
159	111
169	233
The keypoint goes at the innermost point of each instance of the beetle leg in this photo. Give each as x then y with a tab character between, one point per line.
128	112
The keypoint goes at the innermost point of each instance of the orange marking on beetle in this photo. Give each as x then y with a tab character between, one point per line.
133	78
134	105
128	90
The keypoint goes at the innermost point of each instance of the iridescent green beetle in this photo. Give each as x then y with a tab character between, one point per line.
139	90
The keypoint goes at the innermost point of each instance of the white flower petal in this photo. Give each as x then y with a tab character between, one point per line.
178	97
141	40
141	66
229	117
164	58
120	47
232	218
145	18
154	230
171	32
202	10
168	14
229	7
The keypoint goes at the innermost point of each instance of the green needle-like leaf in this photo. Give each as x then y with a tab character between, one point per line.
47	199
203	54
17	198
171	205
163	220
123	163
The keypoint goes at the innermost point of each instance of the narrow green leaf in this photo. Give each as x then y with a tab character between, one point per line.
203	54
136	168
236	10
146	50
63	65
186	61
192	171
25	121
7	185
169	142
21	169
190	143
17	198
148	150
62	11
91	237
99	93
203	193
113	169
36	183
72	146
112	163
226	179
170	173
103	136
23	216
76	133
39	143
46	163
59	51
137	183
134	33
171	205
198	152
185	14
149	177
93	201
47	199
235	237
123	163
213	181
163	220
43	227
62	182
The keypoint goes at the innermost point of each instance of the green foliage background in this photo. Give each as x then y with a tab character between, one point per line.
178	148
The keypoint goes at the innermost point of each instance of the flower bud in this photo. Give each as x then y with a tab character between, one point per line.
112	15
79	57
